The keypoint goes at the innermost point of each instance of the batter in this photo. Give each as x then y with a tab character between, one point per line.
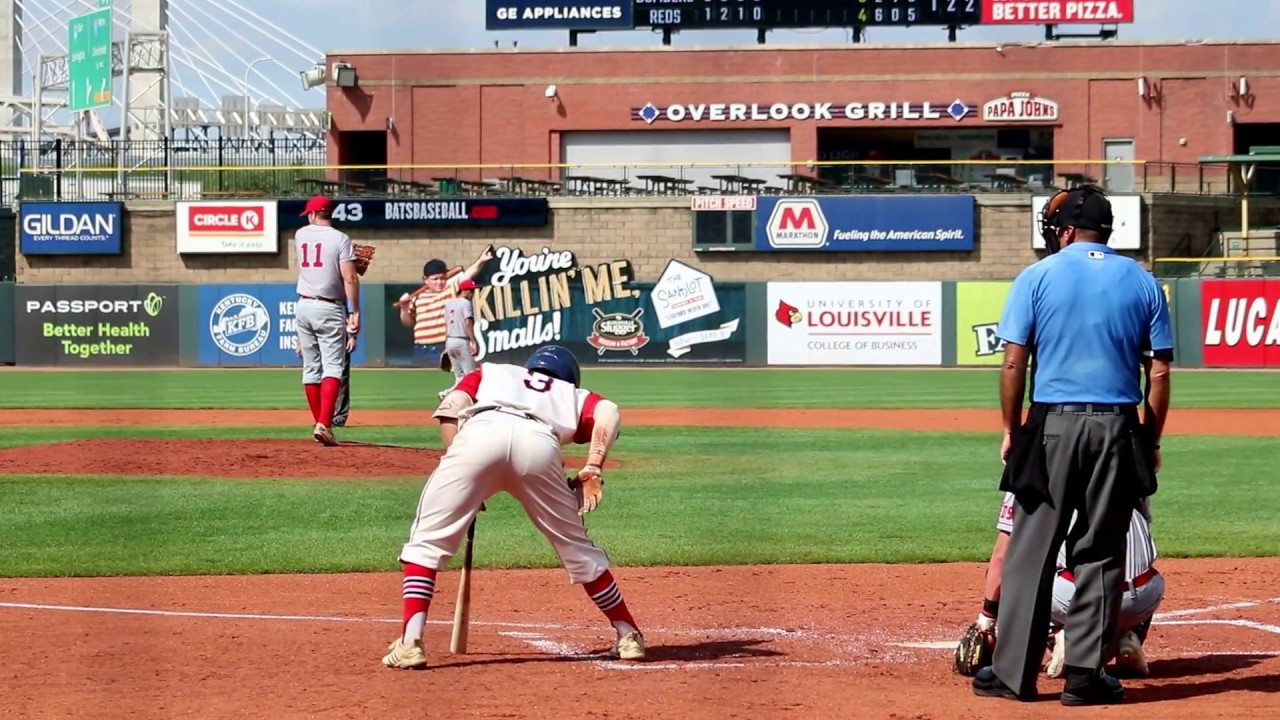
327	284
502	428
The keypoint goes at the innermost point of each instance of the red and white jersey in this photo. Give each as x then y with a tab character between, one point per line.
1140	554
568	411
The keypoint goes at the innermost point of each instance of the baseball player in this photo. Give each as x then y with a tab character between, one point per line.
423	309
1143	591
460	331
327	284
502	428
364	258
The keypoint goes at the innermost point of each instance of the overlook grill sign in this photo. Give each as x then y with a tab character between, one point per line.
1020	106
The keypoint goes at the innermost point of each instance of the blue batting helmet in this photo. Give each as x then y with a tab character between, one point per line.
556	361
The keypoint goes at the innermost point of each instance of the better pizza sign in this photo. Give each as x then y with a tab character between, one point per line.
227	227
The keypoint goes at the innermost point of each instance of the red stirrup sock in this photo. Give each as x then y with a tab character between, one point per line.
605	594
417	589
313	400
328	400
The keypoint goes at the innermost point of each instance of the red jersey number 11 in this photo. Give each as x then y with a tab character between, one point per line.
306	255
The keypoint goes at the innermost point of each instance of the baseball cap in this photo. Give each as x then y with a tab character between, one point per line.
467	284
1087	209
316	204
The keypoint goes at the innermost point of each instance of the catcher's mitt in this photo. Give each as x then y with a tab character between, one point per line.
976	648
364	257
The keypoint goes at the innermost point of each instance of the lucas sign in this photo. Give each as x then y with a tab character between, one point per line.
1241	323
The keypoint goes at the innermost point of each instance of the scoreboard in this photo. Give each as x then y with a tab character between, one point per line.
730	14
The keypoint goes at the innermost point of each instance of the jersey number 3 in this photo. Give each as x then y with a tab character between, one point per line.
307	254
538	382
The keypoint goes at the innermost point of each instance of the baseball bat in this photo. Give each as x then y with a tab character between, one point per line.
462	608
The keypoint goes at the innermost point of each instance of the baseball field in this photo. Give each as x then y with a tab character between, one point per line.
794	543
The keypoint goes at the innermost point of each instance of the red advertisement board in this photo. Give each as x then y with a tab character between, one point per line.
1240	323
1056	12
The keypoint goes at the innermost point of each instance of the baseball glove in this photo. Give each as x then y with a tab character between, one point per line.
364	257
976	648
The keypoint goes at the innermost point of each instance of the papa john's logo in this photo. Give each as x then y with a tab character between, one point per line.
797	223
618	331
786	314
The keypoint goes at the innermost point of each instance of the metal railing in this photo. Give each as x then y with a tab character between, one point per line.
1169	268
190	170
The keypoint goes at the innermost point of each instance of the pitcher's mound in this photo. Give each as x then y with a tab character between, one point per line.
217	458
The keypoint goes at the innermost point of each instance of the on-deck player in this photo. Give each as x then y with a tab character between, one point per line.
1143	591
503	427
327	284
460	331
424	310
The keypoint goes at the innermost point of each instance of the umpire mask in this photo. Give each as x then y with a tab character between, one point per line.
1086	208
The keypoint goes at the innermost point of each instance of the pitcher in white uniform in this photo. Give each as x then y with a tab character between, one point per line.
503	427
327	285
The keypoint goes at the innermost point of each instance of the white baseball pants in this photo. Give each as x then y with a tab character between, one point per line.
498	451
1138	605
322	337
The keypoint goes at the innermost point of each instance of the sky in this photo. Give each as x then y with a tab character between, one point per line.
224	38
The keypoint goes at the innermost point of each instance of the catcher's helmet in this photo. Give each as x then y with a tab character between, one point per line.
1086	208
556	361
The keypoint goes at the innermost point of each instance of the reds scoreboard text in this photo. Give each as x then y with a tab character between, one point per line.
731	14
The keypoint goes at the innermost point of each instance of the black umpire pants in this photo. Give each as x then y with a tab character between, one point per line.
1088	463
342	408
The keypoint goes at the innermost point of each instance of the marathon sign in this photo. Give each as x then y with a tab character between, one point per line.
956	110
866	223
1053	12
230	227
1020	107
1240	323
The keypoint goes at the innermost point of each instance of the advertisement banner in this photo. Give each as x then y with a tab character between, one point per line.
1127	226
1055	12
855	323
350	213
558	15
71	228
978	309
252	325
595	310
908	223
91	325
227	227
1241	323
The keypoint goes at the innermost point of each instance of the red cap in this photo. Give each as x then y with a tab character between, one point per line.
316	204
467	284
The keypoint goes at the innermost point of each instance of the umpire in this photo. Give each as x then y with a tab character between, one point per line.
1086	315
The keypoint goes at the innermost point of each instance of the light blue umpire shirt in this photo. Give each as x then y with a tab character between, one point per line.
1087	314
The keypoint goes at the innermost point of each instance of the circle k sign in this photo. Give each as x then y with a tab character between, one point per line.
797	223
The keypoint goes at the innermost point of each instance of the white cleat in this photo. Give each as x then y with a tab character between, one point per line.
324	435
1057	658
629	647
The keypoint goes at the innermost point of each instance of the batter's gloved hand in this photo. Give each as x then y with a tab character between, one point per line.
364	257
977	647
589	484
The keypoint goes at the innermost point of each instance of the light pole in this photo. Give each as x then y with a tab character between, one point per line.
246	93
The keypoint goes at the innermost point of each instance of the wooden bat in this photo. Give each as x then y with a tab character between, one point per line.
448	274
462	608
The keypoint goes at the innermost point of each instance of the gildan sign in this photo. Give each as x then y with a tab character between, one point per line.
74	228
1241	323
849	323
227	227
1040	12
1020	107
777	112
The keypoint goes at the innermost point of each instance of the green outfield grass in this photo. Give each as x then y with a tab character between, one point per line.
773	387
682	497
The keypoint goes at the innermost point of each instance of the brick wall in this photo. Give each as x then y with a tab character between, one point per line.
646	231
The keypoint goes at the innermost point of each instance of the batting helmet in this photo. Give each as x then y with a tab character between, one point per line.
556	361
1086	208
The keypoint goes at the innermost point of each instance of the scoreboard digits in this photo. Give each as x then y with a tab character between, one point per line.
729	14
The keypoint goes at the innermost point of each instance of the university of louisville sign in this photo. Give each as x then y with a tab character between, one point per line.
1020	107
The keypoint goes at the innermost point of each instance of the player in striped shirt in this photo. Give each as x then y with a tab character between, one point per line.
423	310
1143	591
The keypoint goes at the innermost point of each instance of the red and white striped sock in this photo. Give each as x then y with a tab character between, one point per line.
605	594
417	589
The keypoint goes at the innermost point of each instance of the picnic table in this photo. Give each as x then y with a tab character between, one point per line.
801	183
321	185
738	183
1006	181
665	184
938	179
531	186
1075	180
591	185
410	187
867	181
